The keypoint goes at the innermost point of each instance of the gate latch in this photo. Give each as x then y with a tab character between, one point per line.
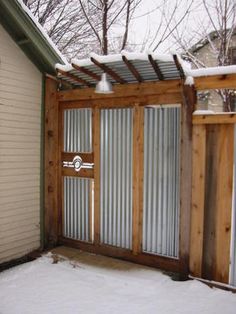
77	163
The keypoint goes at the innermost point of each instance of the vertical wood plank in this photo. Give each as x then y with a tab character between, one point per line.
210	194
51	163
96	150
224	201
60	177
138	152
189	100
218	206
198	199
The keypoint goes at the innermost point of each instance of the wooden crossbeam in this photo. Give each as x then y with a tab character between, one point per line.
74	78
132	69
215	82
86	71
156	68
179	67
109	71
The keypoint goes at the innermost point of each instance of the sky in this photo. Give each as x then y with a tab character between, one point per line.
147	21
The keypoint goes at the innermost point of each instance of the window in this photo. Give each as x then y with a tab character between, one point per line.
232	55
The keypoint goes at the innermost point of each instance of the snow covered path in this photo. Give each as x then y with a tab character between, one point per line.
67	288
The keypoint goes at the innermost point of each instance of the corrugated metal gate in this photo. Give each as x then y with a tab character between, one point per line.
161	176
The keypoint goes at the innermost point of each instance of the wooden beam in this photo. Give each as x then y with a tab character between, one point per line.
125	102
138	152
218	118
86	71
74	78
186	175
51	159
198	199
109	71
179	67
128	90
161	262
215	82
96	151
132	69
156	67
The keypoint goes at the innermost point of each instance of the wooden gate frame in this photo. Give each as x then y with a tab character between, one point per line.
127	95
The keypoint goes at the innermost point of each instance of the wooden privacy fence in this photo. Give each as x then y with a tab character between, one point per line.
212	182
206	161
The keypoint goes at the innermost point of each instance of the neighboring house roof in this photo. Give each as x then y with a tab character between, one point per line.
18	21
205	41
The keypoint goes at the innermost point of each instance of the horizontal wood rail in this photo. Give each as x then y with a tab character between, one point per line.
218	118
124	102
127	90
215	82
161	262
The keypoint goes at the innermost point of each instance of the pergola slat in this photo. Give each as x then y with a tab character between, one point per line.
74	78
132	69
179	67
86	71
156	68
109	71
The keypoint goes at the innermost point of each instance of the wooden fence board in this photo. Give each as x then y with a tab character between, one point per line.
198	199
218	202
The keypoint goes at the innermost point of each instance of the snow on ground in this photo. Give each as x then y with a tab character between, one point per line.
66	288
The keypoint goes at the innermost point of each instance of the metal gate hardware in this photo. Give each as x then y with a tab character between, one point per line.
77	163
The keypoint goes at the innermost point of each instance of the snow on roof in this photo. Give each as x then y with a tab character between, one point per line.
42	30
147	66
221	70
128	67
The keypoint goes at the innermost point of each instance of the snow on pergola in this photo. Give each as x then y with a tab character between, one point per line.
125	68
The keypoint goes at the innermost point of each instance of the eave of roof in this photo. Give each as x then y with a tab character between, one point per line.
28	36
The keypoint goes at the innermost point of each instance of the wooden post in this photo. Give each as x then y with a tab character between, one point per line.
51	163
138	151
198	199
189	100
96	150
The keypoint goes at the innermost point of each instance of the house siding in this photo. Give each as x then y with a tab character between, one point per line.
20	128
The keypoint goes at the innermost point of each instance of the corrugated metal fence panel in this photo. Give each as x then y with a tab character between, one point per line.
161	181
77	208
116	177
233	234
78	130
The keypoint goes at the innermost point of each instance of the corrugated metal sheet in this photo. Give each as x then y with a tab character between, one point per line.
161	181
20	128
77	208
78	130
141	63
116	177
233	234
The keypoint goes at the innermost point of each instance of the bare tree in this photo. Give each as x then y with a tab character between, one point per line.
111	23
214	26
64	22
78	27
